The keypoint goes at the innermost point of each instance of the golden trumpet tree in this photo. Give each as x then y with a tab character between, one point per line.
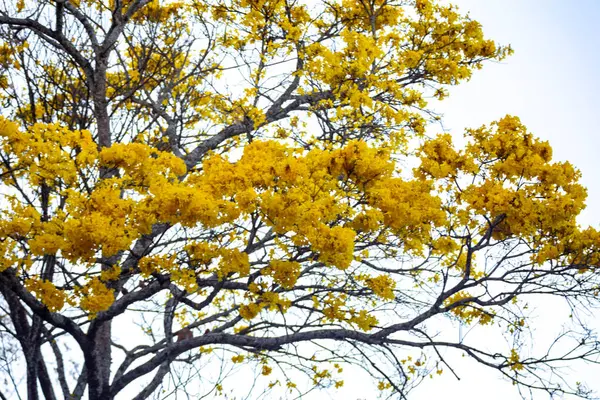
253	185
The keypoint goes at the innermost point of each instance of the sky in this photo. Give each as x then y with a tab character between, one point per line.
552	82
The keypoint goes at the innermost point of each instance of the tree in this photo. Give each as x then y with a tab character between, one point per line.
251	182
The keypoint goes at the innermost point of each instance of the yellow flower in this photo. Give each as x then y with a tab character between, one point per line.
47	293
95	297
285	273
266	370
383	286
238	359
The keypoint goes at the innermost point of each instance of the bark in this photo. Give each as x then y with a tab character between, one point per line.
98	366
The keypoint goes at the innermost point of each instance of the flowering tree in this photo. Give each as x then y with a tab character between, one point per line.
250	182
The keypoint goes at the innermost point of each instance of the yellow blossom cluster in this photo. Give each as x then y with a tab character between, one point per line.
95	297
8	255
141	164
514	361
409	209
110	274
156	12
201	252
383	286
233	261
439	159
507	175
459	305
46	153
363	320
579	247
309	198
47	293
238	359
300	193
285	273
186	278
334	308
269	300
459	261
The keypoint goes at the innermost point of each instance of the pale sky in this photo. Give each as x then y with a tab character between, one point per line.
552	83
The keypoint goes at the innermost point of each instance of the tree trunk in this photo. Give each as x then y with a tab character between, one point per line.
98	363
